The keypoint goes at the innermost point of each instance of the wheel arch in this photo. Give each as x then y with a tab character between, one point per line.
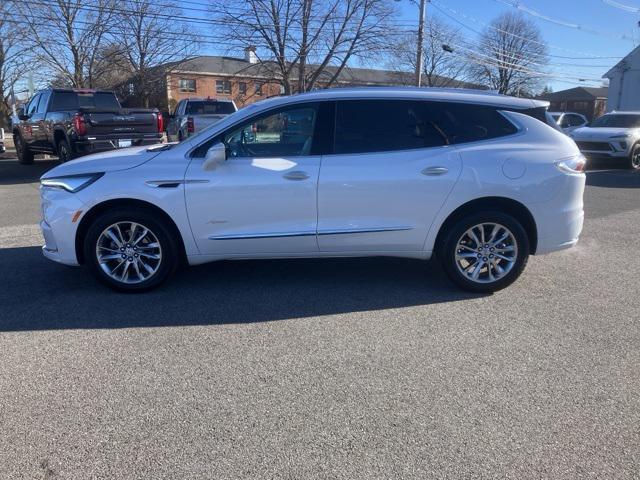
95	211
501	204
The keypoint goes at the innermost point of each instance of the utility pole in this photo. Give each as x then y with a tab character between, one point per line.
419	59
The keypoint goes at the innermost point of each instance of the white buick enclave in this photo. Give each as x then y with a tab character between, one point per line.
476	178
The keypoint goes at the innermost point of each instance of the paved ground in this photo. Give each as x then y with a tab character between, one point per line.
323	369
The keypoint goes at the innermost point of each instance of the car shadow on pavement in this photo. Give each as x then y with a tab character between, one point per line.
614	179
37	294
12	172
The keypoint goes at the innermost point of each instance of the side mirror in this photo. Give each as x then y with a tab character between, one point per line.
21	115
216	156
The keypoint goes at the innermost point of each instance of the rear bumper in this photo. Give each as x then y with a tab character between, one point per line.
559	221
83	147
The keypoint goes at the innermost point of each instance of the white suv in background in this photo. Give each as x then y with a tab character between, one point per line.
612	138
476	178
569	121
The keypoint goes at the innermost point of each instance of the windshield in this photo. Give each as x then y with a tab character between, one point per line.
209	108
617	121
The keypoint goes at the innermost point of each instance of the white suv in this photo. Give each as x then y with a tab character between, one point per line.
472	177
612	138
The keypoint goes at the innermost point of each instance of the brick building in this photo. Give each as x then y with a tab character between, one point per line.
244	80
589	101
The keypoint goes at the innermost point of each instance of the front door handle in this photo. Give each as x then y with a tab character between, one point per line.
296	175
434	171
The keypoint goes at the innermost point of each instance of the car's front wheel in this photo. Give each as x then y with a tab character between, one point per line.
485	252
25	156
131	250
634	158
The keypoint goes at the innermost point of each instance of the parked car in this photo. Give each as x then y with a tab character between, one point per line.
194	114
71	123
569	121
470	177
612	138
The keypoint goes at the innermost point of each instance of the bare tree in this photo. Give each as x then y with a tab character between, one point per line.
12	60
510	55
307	43
149	36
66	36
440	68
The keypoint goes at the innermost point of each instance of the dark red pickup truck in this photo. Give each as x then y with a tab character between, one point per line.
71	123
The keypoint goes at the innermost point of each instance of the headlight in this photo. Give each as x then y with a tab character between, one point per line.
71	183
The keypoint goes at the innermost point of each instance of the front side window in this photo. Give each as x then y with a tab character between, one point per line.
44	99
287	133
223	86
187	85
33	105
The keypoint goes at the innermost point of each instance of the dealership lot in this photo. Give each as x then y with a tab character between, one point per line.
374	368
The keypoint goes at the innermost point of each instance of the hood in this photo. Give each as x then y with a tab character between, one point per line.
585	133
121	159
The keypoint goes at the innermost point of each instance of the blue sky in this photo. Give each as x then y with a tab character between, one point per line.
568	41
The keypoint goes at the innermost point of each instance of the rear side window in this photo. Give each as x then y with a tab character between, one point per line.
209	108
88	101
384	125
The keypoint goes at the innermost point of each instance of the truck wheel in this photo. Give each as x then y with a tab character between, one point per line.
64	151
25	156
634	158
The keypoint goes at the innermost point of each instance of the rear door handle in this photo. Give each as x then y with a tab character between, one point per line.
434	171
296	175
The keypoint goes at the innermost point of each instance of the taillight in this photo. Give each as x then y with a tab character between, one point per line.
79	124
572	165
160	122
190	127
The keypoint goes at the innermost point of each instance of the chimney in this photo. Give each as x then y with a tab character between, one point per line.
250	54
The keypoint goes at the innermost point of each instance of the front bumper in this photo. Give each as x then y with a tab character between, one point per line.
605	149
60	220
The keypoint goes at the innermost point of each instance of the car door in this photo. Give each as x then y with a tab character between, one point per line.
39	124
389	174
29	136
262	199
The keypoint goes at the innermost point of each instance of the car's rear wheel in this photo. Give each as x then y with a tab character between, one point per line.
131	250
634	158
485	252
25	156
64	150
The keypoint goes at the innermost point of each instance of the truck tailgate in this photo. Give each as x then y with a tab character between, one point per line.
120	124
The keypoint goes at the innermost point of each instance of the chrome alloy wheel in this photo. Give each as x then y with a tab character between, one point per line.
635	158
128	252
486	252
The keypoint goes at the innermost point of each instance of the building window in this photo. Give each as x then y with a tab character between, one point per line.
187	85
580	105
223	86
258	88
242	88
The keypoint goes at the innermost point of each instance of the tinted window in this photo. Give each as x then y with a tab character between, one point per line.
88	101
383	125
209	108
282	134
617	121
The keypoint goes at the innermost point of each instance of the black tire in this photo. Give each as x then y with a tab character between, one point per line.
450	247
164	234
634	158
63	149
25	156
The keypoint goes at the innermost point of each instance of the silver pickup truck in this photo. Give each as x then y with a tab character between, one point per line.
194	114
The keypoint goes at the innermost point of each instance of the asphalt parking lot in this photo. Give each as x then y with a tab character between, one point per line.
374	368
